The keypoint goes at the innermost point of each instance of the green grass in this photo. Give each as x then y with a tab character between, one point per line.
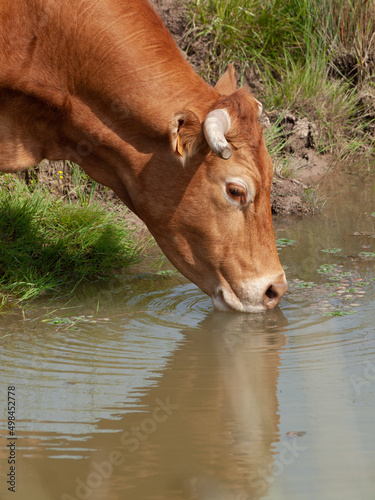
257	32
281	36
50	245
294	51
84	188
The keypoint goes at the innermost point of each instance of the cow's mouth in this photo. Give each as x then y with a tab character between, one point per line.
228	301
255	296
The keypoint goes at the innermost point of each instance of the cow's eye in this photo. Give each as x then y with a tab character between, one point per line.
237	193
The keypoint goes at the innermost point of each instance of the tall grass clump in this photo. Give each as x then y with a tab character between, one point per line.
253	31
306	56
280	36
48	245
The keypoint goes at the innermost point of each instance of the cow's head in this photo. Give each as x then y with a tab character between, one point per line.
209	205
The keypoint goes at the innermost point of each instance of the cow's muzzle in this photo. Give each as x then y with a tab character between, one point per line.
252	296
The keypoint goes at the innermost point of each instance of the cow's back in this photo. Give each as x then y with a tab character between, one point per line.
100	51
108	69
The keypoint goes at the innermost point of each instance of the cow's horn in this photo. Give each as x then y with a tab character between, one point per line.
216	125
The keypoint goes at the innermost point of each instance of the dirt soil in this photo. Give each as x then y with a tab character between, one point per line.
293	194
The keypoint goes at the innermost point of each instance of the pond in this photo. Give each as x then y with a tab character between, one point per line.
136	389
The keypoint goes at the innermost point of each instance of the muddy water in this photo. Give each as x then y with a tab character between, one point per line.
136	389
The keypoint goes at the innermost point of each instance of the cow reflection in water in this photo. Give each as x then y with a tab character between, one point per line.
217	440
242	398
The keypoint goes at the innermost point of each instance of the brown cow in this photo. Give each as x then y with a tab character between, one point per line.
102	83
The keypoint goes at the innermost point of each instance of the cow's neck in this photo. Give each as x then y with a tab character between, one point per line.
114	73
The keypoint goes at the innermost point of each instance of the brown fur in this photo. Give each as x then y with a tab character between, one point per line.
103	84
245	128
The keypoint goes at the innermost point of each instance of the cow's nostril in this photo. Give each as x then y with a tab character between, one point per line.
271	293
274	292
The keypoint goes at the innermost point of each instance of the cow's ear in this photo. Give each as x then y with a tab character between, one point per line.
185	133
227	83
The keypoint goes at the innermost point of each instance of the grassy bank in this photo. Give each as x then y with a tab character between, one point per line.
315	58
48	244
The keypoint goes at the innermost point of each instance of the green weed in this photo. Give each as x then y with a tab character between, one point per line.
327	268
338	312
332	250
305	284
367	255
284	242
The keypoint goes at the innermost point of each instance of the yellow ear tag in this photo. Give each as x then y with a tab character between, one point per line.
179	146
